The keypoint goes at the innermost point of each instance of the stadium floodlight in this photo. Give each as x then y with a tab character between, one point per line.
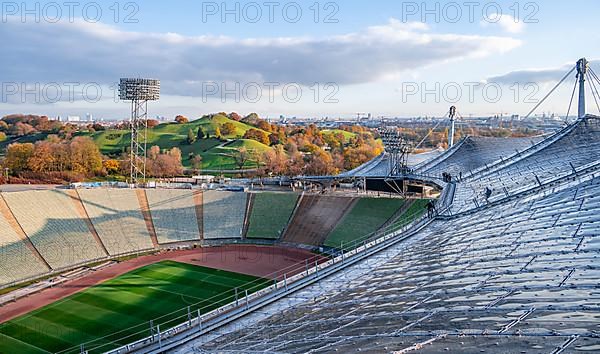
397	149
139	92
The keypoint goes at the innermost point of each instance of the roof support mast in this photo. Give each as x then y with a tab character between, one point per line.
451	114
582	66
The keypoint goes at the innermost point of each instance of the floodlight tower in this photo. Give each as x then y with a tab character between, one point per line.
139	92
582	66
397	150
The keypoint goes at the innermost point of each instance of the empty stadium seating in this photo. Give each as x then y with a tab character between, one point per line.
50	220
17	261
117	218
174	215
315	217
223	214
365	217
270	213
518	277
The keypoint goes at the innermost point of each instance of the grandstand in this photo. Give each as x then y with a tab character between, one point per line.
366	216
315	218
516	275
16	249
117	218
52	223
223	214
174	215
270	213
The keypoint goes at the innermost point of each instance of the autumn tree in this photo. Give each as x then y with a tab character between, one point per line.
235	116
164	164
227	128
241	157
175	153
17	156
181	119
43	158
154	152
111	166
21	129
257	135
320	163
218	133
85	156
151	123
275	161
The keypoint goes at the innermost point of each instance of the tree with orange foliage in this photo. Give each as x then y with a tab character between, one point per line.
151	123
43	158
257	135
17	156
181	119
111	166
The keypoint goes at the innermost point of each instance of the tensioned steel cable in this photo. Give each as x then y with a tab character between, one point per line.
551	91
571	101
427	135
595	92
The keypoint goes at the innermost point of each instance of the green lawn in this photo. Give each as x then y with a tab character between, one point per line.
160	292
347	135
270	214
365	217
169	135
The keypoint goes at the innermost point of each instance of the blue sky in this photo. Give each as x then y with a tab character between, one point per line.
389	58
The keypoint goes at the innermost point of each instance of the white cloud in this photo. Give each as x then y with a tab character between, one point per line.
87	52
506	22
537	75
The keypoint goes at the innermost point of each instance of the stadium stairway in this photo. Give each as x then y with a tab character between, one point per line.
117	217
83	214
145	205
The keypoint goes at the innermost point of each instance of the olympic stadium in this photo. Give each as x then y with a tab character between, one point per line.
492	246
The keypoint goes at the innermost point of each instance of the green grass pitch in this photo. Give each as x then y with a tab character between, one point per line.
160	292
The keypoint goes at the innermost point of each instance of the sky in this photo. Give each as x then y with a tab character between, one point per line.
295	58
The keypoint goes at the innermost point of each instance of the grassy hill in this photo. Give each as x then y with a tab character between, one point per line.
169	135
347	135
220	157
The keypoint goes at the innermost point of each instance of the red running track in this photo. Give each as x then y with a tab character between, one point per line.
260	261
